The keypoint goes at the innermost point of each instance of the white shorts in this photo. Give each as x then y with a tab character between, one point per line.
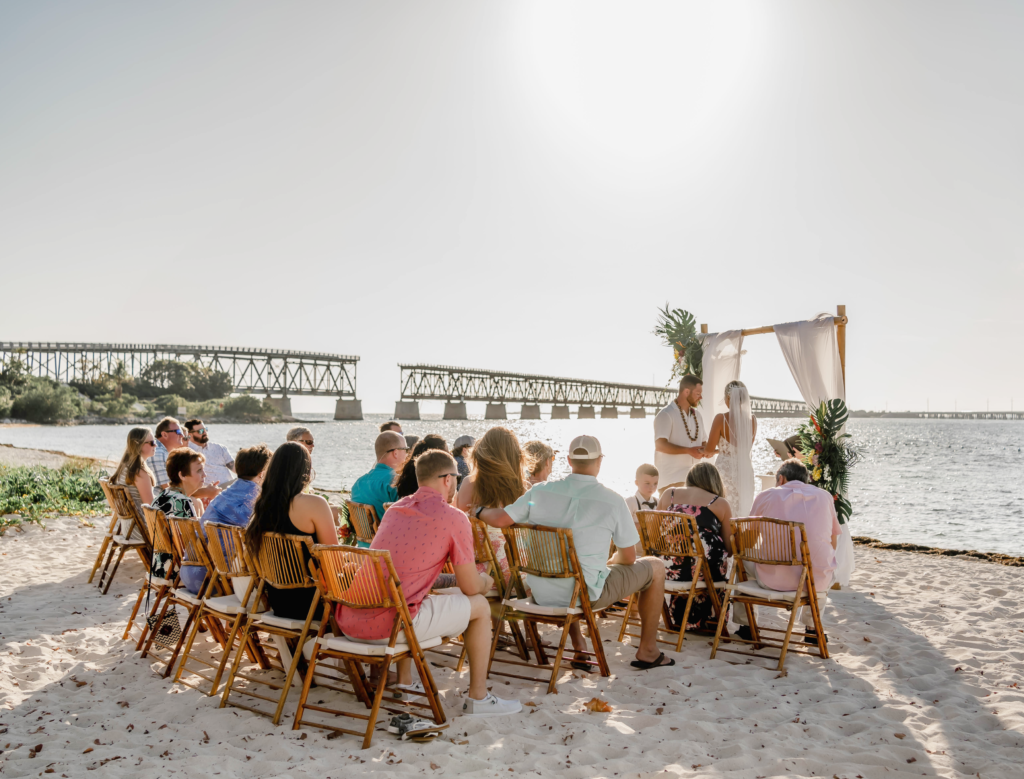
439	615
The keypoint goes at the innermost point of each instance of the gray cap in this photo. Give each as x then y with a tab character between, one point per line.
463	440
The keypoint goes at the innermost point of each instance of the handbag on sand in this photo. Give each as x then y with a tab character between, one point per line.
169	632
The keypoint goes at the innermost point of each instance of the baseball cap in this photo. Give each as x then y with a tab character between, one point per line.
587	443
463	440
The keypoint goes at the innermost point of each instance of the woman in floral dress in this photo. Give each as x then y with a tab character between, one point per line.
701	498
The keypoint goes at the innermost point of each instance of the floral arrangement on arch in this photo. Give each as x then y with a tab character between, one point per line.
828	454
678	329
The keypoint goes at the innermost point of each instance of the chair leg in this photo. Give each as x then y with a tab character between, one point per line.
224	660
234	667
306	684
789	631
722	614
192	612
371	722
135	610
296	657
686	615
626	616
188	644
111	551
99	558
812	604
430	687
595	639
113	573
552	685
517	636
152	633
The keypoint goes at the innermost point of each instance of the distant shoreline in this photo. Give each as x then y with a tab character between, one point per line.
990	557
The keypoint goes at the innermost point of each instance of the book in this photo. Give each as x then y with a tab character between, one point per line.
780	447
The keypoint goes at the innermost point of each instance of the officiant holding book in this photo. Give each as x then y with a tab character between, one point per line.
679	434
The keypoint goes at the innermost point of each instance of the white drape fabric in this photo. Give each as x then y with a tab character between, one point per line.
812	353
741	434
720	365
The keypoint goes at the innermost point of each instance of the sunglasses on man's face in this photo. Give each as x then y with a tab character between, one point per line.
176	431
398	449
200	430
446	475
307	443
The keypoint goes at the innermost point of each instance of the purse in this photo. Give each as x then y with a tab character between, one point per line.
169	632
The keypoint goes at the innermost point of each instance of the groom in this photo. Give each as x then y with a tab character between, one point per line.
679	434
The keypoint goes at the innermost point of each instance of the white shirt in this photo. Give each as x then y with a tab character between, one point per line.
637	503
668	424
217	459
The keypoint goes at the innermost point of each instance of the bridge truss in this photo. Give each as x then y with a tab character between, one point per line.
265	371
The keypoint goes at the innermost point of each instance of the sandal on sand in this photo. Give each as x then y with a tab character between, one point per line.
643	665
583	665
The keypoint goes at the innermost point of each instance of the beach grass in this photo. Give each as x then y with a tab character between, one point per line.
32	493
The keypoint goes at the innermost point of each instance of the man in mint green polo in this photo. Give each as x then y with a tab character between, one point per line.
596	515
374	488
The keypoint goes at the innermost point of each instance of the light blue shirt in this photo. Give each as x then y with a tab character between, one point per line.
374	488
594	513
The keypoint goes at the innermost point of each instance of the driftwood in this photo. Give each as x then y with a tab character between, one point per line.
991	557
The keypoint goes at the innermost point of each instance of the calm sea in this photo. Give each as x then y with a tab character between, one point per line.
956	484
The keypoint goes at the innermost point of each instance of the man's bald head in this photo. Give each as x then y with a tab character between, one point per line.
386	443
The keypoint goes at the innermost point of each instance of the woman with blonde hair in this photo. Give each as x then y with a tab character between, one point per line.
540	459
496	481
133	472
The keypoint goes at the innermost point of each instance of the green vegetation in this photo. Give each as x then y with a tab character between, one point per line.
33	493
678	329
189	380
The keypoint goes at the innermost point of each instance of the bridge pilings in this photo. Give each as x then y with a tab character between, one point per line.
455	410
348	409
560	412
530	411
638	413
586	412
609	412
495	411
407	409
283	405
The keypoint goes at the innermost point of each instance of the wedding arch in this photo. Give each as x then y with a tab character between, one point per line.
815	351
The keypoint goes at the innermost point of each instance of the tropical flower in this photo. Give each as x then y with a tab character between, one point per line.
817	474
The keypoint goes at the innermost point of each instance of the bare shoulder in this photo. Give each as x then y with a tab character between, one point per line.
305	501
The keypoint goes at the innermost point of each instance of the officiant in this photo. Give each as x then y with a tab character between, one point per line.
679	434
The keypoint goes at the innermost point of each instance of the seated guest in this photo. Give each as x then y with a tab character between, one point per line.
539	459
405	478
133	472
302	435
597	516
374	488
701	498
220	465
168	436
460	450
187	476
234	505
794	500
390	425
646	482
423	532
411	440
284	507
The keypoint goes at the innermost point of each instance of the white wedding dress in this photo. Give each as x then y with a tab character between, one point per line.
734	462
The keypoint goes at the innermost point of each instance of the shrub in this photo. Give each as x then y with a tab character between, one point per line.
35	491
245	407
5	402
186	379
168	404
110	406
46	402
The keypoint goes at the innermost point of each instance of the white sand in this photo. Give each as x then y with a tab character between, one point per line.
945	647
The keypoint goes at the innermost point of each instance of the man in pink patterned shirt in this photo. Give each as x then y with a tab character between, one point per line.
423	532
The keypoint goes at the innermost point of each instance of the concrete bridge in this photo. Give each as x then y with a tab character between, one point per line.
456	386
277	374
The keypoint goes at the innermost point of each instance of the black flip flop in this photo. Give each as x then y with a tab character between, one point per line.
643	665
583	665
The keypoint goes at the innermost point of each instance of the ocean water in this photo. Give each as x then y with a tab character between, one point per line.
957	484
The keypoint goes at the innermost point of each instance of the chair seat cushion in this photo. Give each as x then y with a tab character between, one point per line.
366	650
123	541
183	594
156	581
527	606
492	593
683	586
225	604
270	618
755	590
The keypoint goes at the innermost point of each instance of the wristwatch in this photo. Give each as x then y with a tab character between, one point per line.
478	510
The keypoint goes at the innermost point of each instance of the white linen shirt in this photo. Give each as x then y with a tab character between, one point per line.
594	513
668	424
217	459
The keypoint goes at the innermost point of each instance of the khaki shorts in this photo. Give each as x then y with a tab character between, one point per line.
439	616
623	581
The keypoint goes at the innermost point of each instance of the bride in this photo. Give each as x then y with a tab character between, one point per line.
732	438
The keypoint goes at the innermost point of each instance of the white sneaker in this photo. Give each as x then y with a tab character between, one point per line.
416	688
490	706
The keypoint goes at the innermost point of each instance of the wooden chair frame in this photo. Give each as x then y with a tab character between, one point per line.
226	550
105	486
281	564
161	537
364	520
770	541
669	534
546	552
364	579
135	533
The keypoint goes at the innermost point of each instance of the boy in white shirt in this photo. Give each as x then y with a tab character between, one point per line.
645	498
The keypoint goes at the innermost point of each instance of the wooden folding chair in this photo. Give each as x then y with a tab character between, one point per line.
227	553
545	552
190	551
130	533
105	486
768	541
667	534
160	535
364	521
388	505
365	579
282	563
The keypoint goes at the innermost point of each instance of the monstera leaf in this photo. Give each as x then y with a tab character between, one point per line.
831	416
678	328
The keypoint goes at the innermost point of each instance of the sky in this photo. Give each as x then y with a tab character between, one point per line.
520	186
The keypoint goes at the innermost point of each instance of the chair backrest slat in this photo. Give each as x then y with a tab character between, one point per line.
227	549
541	551
159	530
189	540
355	577
282	561
129	512
364	520
669	534
767	541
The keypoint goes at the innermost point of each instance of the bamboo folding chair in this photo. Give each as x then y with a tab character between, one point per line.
768	541
365	579
387	506
105	486
668	534
545	552
227	553
281	563
160	535
364	521
130	533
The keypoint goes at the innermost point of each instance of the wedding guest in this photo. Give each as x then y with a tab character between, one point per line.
679	434
168	436
374	488
186	476
460	450
496	481
283	506
220	465
794	500
540	460
390	425
133	472
302	435
598	517
644	499
411	440
703	499
405	479
423	532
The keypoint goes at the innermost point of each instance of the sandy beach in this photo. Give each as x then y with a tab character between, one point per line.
927	659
